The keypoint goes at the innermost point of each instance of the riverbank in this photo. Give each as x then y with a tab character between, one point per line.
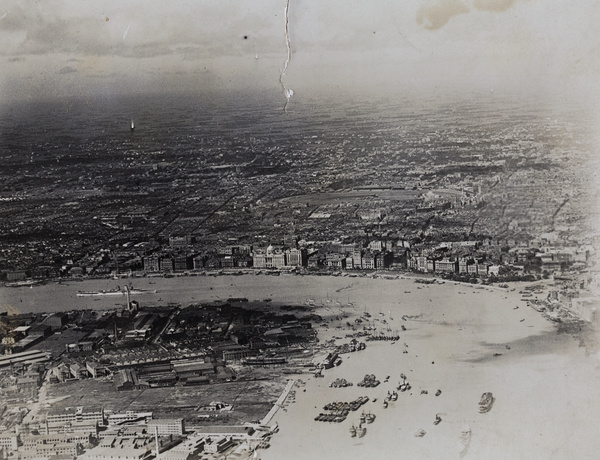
461	339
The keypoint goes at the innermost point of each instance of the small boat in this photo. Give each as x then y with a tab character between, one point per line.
464	440
370	417
385	404
437	420
361	431
439	392
485	403
353	431
132	125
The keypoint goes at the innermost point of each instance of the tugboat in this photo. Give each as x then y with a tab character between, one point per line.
485	403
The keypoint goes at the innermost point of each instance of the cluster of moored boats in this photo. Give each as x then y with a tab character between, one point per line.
369	381
340	410
340	383
351	347
361	430
392	338
404	385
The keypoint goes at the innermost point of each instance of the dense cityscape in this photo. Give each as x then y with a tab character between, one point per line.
463	187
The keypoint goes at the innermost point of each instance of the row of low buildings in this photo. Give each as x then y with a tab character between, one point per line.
130	436
80	433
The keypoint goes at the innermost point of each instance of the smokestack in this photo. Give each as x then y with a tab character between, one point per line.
156	441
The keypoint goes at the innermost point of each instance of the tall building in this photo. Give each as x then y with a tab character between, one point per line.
166	426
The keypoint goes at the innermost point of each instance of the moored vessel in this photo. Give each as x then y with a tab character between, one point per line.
485	403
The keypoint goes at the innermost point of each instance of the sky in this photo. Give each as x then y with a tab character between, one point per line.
83	47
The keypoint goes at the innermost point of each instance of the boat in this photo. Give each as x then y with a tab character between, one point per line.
24	283
385	404
464	440
116	291
370	417
132	125
361	431
353	431
485	403
97	293
437	420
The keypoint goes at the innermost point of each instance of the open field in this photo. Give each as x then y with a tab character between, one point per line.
251	399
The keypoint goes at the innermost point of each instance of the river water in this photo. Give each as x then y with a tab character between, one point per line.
463	340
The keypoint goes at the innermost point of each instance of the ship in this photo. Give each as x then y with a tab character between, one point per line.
24	283
115	292
485	403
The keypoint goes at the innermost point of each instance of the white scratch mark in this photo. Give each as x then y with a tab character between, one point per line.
288	93
126	31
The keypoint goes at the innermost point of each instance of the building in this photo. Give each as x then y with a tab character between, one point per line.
56	321
84	426
9	441
235	432
152	263
446	265
180	241
126	379
77	438
166	426
116	453
77	415
129	416
25	357
368	261
175	455
219	445
296	257
68	449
